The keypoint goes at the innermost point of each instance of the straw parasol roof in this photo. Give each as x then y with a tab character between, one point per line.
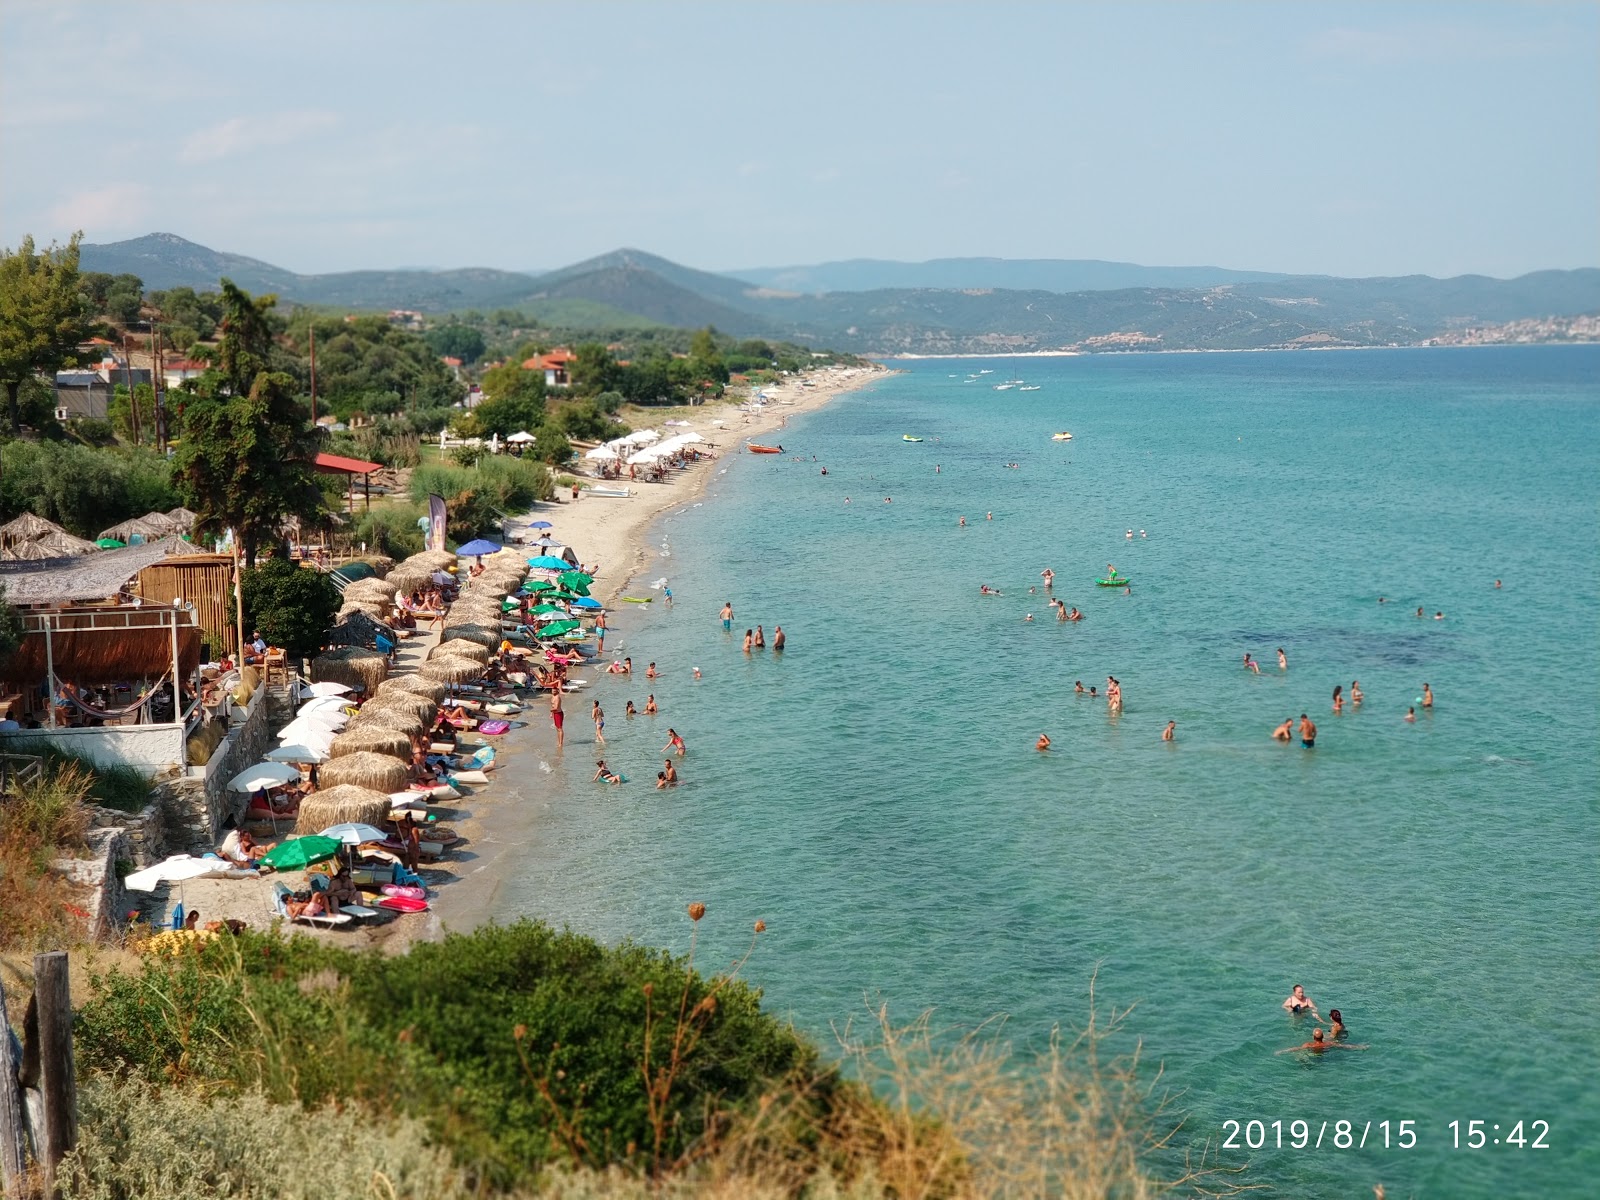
423	707
461	648
341	803
434	560
481	635
27	527
431	688
359	628
399	720
183	519
380	564
367	608
354	665
371	739
148	527
408	577
451	669
366	770
371	588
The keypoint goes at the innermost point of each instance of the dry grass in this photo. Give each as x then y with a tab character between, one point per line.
39	822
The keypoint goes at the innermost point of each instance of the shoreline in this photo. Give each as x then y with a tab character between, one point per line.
615	533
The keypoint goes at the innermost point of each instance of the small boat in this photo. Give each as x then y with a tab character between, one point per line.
1032	387
755	449
1004	387
1113	581
615	493
1063	436
909	438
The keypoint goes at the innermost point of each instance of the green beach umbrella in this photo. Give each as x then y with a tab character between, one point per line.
301	852
541	610
539	585
576	581
557	628
110	544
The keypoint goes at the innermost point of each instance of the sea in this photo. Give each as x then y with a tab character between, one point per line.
873	793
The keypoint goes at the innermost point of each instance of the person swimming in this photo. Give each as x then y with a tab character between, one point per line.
1043	743
1298	1003
1074	615
1336	1029
1319	1044
1250	664
1078	687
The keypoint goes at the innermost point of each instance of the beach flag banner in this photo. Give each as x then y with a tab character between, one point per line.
436	521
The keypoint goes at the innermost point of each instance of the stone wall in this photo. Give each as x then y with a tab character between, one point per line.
146	830
97	870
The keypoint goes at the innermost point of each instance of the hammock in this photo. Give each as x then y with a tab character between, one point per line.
106	714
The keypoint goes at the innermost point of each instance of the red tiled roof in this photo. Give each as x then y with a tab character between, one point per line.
348	466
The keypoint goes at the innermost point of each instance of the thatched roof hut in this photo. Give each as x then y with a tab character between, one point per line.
366	770
417	686
451	669
461	648
372	739
341	803
367	608
353	665
182	519
476	633
434	560
27	527
399	720
370	589
147	528
32	537
424	708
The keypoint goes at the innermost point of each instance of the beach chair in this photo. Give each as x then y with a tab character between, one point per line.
280	892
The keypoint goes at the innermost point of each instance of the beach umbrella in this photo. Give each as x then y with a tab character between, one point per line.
451	669
364	769
601	454
540	525
521	438
588	603
331	704
575	581
548	562
481	635
109	543
264	775
307	730
342	804
409	579
354	833
369	588
298	752
544	610
477	547
301	852
172	870
325	689
434	560
430	688
462	648
423	707
406	721
557	628
353	665
320	718
372	739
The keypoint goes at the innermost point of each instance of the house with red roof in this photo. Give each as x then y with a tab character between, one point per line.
554	365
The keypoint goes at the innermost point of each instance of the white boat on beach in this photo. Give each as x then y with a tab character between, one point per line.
620	493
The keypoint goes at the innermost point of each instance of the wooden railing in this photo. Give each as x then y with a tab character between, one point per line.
18	769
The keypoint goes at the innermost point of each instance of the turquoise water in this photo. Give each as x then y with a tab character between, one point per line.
874	796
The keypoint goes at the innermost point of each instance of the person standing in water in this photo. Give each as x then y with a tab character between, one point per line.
597	714
1284	732
1355	693
557	717
1043	743
1338	698
778	638
727	617
1427	696
1049	577
761	638
1308	732
749	640
1283	660
1168	734
1298	1003
1250	664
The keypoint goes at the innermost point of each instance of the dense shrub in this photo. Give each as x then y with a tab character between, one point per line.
390	529
509	484
292	606
83	488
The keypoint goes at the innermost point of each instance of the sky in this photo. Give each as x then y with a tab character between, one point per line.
1330	138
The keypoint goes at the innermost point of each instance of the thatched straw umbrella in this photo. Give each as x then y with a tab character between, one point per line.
352	665
380	564
364	769
477	633
377	590
408	577
344	802
422	707
397	720
461	648
371	739
451	669
431	688
368	608
436	559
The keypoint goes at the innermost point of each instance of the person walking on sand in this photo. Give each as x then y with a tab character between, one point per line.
727	617
599	717
674	742
778	638
1308	732
1168	734
558	717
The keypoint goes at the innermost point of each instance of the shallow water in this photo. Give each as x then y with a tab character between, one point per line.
873	793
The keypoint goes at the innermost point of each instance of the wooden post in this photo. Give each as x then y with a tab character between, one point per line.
57	1081
13	1143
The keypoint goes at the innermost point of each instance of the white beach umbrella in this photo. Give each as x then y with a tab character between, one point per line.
640	457
173	870
643	437
690	438
309	729
354	833
323	704
324	689
264	775
299	752
601	453
522	437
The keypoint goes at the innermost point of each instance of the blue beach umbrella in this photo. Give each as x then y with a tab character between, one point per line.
540	525
548	562
476	547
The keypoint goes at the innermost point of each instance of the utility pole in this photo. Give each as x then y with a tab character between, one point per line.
158	380
127	379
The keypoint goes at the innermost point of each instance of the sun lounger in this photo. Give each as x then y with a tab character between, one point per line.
326	920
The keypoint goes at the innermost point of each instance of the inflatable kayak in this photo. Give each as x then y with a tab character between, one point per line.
637	599
1114	581
909	438
755	449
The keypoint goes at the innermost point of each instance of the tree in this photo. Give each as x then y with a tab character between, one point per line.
11	631
246	349
41	314
595	369
122	410
511	381
291	606
245	461
509	415
456	341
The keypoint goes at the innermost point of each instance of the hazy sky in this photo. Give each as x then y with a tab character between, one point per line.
1340	138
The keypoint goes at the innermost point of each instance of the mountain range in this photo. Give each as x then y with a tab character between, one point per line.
946	306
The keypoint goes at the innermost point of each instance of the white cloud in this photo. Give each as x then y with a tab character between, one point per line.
240	134
104	211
